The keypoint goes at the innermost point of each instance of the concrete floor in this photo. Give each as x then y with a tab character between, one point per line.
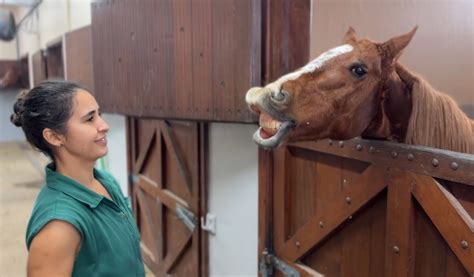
21	176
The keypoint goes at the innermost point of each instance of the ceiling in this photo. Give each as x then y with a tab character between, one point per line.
17	2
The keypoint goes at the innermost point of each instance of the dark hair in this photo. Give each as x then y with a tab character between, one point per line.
48	105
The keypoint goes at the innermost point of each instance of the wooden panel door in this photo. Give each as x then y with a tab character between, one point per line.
39	67
54	61
183	59
167	164
78	57
363	208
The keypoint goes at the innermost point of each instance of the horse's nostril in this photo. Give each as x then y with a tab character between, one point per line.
280	96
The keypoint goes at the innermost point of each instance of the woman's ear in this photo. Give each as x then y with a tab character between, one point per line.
53	138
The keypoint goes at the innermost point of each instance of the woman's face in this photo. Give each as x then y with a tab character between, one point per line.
86	130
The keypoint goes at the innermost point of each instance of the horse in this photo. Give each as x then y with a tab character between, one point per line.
359	89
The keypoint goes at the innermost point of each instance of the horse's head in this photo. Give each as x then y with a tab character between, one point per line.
336	96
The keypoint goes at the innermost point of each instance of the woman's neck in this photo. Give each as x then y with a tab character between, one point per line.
80	171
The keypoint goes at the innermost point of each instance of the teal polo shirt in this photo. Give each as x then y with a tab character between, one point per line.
110	241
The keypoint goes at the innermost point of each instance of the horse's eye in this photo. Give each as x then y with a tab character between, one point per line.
358	71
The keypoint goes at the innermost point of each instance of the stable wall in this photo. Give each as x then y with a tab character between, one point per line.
233	198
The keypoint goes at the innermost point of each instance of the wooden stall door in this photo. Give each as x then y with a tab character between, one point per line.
39	67
54	61
358	209
167	179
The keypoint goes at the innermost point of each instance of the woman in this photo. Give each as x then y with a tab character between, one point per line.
81	224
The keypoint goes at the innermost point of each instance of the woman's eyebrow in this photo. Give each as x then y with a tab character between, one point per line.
88	114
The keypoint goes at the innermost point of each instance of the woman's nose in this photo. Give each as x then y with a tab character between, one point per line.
103	126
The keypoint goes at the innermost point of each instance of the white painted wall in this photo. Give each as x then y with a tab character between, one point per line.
233	198
8	48
116	159
8	131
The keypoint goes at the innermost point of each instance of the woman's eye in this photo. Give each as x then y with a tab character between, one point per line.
90	119
358	71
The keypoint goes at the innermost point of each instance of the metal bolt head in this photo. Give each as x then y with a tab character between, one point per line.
348	200
454	165
372	149
297	243
330	142
359	147
394	154
464	244
341	144
321	224
435	162
411	157
396	249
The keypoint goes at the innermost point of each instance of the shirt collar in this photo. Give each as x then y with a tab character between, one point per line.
68	186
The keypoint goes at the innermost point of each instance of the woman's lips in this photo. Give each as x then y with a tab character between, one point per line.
102	141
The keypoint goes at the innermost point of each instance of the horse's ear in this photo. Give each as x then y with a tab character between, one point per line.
392	49
350	36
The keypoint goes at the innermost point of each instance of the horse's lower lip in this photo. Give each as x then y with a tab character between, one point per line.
274	140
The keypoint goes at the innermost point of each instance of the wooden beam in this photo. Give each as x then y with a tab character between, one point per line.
450	218
177	155
168	198
448	165
400	236
144	153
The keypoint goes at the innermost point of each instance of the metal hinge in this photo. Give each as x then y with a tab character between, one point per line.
269	262
134	178
186	216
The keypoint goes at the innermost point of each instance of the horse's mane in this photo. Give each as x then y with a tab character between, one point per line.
436	120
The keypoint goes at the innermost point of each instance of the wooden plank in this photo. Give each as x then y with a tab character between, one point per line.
279	200
150	224
341	209
203	201
181	14
301	186
144	152
78	57
400	241
168	198
202	48
175	253
430	248
452	221
287	42
177	154
416	159
265	202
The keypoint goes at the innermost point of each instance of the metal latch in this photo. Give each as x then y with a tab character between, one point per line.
134	178
208	223
269	262
186	216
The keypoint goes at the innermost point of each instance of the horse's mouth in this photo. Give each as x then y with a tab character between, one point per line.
272	132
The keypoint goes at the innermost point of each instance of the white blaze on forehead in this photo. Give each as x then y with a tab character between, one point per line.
310	67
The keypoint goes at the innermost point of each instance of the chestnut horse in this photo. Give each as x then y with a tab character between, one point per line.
359	89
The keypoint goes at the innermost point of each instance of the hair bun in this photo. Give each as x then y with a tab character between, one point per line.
18	109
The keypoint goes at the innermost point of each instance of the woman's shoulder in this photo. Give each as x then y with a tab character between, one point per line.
53	205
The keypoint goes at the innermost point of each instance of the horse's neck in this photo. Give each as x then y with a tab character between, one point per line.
397	106
393	115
